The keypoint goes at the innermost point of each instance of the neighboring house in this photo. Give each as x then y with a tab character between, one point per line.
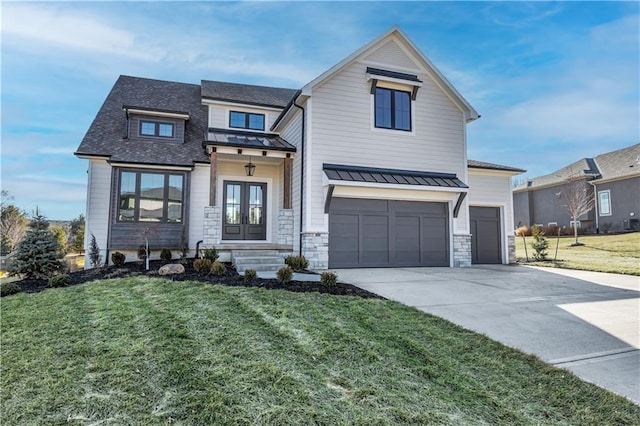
364	166
611	179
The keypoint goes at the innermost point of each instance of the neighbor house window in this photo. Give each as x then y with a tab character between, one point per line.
577	222
392	109
604	203
150	197
246	120
156	128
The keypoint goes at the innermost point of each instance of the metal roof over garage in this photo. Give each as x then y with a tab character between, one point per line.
391	176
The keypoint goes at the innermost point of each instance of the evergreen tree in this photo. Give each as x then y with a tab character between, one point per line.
94	253
39	254
539	244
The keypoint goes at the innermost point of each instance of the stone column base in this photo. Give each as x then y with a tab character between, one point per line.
212	225
462	250
285	227
512	248
315	247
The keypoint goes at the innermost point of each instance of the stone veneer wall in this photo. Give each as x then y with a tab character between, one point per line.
315	247
461	250
212	225
285	227
512	248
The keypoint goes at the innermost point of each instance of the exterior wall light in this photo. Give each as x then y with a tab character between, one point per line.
249	168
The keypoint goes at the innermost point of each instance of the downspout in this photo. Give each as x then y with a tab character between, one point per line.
302	138
595	205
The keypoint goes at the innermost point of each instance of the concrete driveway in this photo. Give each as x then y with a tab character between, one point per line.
586	322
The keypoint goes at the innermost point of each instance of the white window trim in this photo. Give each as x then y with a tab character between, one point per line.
577	222
372	111
227	119
608	192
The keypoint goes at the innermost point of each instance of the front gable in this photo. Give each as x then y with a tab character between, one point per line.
391	52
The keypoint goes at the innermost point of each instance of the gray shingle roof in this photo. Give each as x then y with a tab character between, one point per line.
491	166
611	165
247	94
105	136
621	163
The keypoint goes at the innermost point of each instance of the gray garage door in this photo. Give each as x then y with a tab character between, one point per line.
386	233
485	235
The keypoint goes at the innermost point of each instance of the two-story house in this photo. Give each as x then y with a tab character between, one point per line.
365	166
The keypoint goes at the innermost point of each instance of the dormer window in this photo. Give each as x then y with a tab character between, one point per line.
156	129
246	120
392	109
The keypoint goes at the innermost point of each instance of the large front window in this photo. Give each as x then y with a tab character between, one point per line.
392	109
150	197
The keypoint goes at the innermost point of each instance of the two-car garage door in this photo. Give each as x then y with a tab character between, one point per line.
379	233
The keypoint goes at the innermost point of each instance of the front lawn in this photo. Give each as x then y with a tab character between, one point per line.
146	350
616	253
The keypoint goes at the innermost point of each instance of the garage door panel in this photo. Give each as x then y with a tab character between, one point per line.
390	233
375	239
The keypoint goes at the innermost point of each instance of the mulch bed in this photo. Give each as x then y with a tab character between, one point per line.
231	278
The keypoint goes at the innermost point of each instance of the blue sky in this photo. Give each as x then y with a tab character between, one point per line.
554	82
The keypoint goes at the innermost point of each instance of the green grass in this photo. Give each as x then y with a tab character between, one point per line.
152	351
603	253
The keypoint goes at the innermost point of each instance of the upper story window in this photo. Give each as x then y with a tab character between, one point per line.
157	129
246	120
150	197
604	203
392	109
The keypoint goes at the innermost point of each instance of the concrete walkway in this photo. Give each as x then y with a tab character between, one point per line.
586	322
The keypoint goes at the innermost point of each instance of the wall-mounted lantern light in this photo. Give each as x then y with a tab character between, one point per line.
249	168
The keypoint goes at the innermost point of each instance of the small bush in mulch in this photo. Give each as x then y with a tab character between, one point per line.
7	289
231	278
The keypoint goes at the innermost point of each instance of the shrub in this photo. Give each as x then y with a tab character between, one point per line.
142	253
523	231
297	263
202	265
539	244
250	274
94	252
39	254
210	253
7	289
328	278
165	255
218	269
59	280
284	274
118	258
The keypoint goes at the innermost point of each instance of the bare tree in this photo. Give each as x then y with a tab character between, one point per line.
13	223
577	201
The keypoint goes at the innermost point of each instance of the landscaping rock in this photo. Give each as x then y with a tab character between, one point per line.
171	269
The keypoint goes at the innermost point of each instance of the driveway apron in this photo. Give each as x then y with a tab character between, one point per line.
586	322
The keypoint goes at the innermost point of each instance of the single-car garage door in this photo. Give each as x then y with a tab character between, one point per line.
386	233
485	235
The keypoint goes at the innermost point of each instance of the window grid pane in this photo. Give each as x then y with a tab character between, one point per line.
151	197
232	215
237	119
383	108
127	196
165	130
147	128
255	205
256	121
174	202
402	111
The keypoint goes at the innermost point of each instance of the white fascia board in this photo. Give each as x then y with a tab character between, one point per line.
614	179
157	113
254	152
327	181
239	105
150	166
92	157
492	172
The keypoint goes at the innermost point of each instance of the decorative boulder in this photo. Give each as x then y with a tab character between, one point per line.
170	269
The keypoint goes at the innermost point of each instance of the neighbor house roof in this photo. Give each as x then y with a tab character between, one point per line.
491	166
611	165
247	94
106	135
618	164
391	176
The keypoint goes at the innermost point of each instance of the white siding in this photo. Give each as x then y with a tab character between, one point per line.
199	199
98	196
292	134
493	189
342	132
391	53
